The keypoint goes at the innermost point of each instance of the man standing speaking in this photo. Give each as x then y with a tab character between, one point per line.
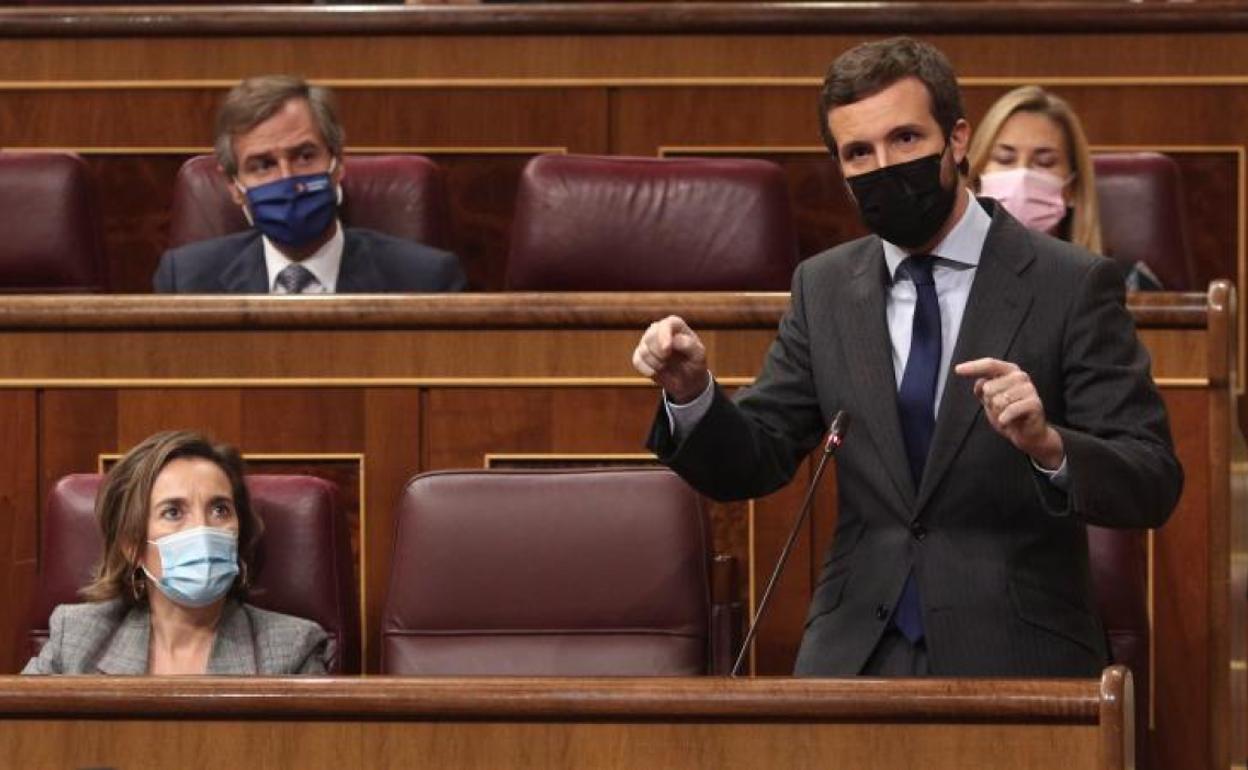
1000	397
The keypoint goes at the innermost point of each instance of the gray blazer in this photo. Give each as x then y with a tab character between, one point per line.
999	553
372	262
106	638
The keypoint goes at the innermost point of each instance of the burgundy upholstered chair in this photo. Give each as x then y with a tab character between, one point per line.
1142	215
1119	559
400	195
552	573
304	562
591	223
52	239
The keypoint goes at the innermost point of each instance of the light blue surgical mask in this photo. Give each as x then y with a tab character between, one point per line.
198	565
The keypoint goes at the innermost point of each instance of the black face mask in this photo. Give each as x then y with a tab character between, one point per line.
905	203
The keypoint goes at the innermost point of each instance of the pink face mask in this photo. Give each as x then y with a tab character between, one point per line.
1033	197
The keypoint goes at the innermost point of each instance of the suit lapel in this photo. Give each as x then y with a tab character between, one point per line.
233	651
868	356
357	274
247	274
997	305
127	649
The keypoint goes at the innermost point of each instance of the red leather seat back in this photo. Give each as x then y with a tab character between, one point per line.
52	240
589	223
556	573
304	564
400	195
1119	559
1142	215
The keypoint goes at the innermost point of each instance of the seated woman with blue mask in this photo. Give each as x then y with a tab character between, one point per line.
179	532
1031	154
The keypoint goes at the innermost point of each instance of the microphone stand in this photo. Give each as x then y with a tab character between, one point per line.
836	437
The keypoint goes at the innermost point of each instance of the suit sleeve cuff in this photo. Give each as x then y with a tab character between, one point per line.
1059	478
683	418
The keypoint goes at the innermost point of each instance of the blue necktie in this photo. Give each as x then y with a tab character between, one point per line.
916	406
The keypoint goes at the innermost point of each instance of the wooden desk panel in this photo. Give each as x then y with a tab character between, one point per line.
407	384
545	724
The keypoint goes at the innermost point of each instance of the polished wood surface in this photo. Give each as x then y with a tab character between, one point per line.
642	17
557	723
370	390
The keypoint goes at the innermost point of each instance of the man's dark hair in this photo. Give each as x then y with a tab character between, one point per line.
869	68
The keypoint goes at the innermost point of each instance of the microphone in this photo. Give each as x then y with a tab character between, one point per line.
836	437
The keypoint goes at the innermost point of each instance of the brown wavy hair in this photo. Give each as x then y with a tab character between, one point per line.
123	503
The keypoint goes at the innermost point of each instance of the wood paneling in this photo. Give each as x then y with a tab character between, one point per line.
1180	596
393	445
19	535
718	723
421	383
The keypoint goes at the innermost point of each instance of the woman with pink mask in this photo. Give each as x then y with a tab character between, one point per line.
1030	153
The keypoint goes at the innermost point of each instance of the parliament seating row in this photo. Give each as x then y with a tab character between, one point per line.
489	577
582	223
511	572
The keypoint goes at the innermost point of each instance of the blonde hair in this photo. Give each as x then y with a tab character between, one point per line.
1085	225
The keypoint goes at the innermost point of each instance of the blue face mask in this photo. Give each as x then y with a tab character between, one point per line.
293	211
197	565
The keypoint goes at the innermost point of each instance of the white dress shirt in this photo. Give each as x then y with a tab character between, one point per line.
323	263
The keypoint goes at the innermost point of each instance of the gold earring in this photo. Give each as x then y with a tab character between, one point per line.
138	586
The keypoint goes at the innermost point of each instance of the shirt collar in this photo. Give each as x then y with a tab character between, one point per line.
324	263
964	243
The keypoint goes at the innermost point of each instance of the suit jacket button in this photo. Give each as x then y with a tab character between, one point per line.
881	612
918	531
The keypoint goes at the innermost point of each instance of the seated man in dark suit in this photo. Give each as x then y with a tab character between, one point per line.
280	144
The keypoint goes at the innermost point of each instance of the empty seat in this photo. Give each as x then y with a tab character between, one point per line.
1142	215
590	223
52	239
400	195
304	564
586	572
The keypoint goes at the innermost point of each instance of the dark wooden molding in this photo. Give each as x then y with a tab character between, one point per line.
494	310
627	18
1067	701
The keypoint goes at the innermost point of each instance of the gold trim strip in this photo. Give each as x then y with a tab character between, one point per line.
348	382
1152	634
490	457
264	456
751	544
353	150
793	81
1118	81
773	149
819	150
414	382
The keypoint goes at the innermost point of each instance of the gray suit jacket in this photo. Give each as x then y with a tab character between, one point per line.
372	262
106	638
1000	555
